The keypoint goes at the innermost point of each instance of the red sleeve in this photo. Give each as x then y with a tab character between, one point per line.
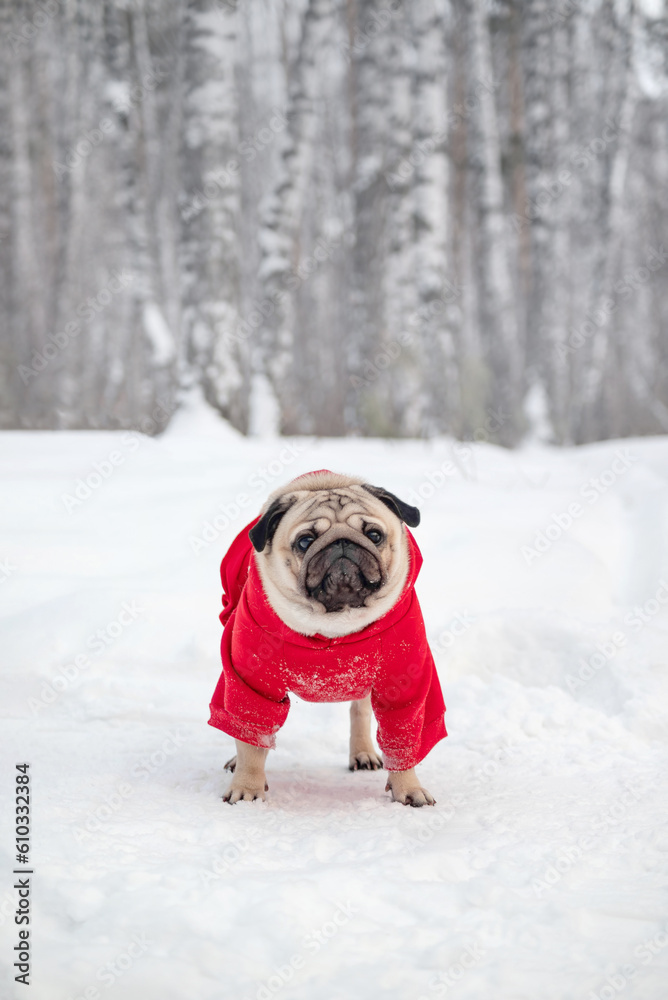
234	570
406	697
250	702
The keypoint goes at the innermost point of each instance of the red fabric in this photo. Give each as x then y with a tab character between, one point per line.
263	660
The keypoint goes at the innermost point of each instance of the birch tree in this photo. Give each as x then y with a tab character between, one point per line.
613	228
367	52
437	312
210	211
285	206
497	310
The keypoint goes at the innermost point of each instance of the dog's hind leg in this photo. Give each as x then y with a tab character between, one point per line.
363	756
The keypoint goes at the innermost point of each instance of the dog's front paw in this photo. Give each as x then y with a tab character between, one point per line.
405	788
245	791
365	760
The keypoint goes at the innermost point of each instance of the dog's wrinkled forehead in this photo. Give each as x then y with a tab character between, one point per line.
338	503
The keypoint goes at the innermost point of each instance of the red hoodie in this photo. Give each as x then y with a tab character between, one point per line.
263	659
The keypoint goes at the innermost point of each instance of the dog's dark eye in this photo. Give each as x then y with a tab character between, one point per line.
374	536
304	541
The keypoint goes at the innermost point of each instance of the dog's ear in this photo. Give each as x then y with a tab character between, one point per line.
404	511
265	529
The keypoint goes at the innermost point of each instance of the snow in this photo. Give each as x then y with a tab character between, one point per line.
118	95
158	333
264	408
537	410
654	9
541	871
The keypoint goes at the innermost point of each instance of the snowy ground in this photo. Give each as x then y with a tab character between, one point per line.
541	872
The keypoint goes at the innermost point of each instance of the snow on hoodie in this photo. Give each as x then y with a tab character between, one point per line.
264	659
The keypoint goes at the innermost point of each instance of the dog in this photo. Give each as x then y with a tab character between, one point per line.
319	600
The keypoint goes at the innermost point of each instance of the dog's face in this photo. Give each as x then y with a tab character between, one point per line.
332	552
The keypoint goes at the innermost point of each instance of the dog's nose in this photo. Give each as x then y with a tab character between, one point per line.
347	545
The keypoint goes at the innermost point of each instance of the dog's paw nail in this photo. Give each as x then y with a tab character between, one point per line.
420	797
244	793
365	760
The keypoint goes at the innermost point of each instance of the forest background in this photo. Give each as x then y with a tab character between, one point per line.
391	218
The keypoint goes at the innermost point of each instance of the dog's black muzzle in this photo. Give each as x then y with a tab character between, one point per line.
343	574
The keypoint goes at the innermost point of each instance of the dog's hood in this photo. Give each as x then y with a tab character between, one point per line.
320	479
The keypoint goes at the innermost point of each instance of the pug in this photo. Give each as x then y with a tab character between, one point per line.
319	601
